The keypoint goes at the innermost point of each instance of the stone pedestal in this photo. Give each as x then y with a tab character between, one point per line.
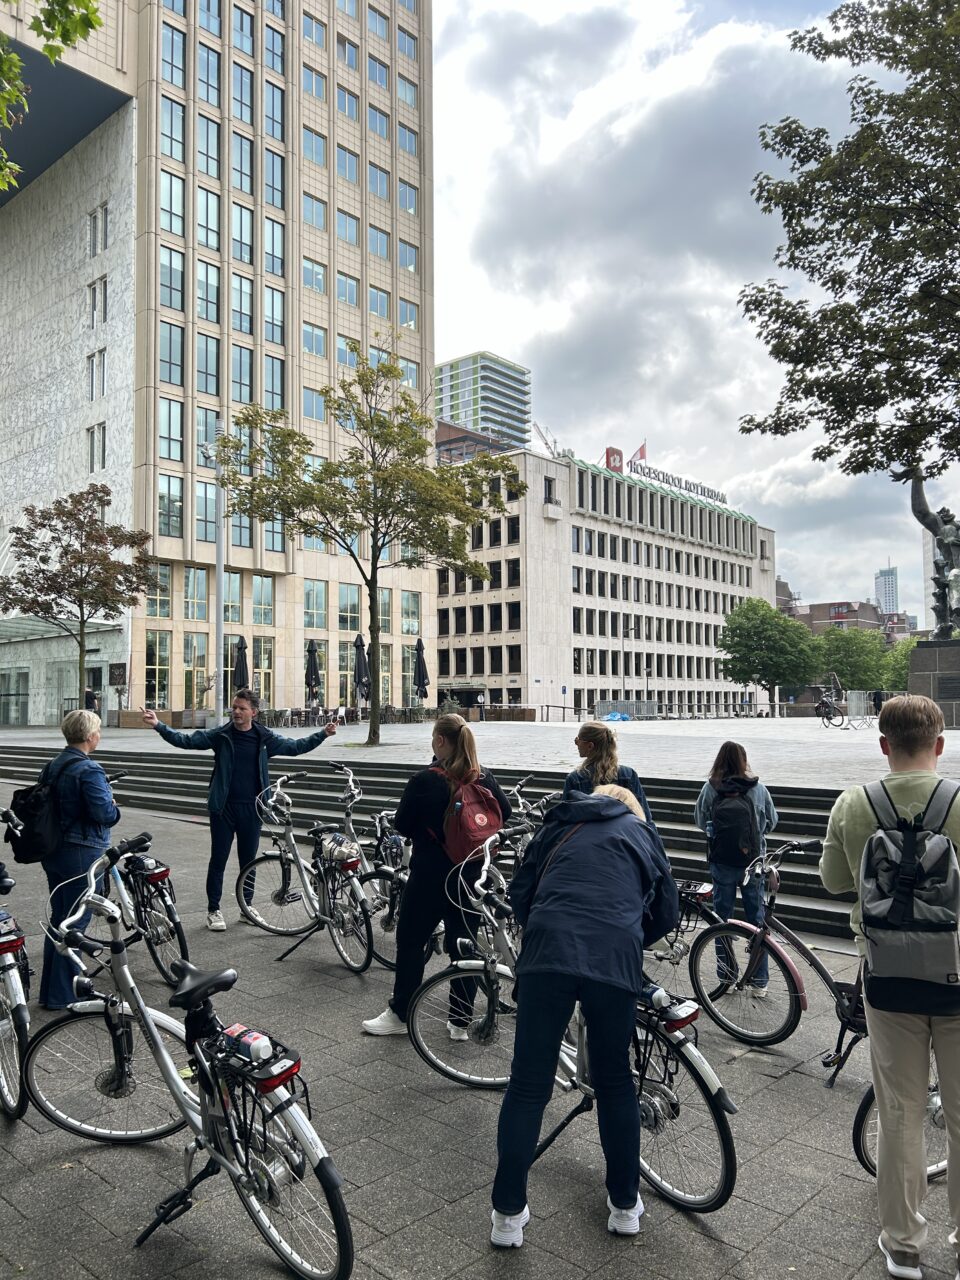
935	672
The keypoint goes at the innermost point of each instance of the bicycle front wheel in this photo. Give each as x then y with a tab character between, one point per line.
866	1131
350	930
457	1001
13	1048
163	934
666	962
760	1011
294	1204
686	1147
270	895
74	1078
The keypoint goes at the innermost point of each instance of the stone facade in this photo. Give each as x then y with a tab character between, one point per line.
935	673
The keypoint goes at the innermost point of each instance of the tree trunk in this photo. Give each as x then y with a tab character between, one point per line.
373	728
81	661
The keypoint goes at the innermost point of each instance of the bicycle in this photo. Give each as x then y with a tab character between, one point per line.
115	1071
866	1130
829	713
384	886
666	964
725	967
283	894
14	994
687	1151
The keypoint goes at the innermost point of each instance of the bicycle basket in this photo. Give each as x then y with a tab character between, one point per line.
335	847
274	807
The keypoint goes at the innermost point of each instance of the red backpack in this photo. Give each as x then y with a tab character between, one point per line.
472	816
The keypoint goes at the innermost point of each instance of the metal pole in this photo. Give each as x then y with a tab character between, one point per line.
220	520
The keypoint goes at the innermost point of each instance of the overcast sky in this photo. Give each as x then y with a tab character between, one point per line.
594	222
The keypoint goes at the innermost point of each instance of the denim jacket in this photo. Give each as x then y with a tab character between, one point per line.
87	810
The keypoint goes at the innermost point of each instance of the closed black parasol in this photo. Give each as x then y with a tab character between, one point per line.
420	677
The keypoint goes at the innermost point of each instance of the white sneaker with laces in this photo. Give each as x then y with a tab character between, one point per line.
624	1222
759	993
507	1229
903	1263
216	922
457	1033
385	1024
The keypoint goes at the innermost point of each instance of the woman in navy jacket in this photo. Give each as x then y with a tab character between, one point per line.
597	744
594	883
87	812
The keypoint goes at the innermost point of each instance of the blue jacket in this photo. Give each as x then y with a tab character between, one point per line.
220	742
767	816
581	780
87	810
604	890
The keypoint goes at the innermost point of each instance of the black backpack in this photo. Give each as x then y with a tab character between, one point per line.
734	838
38	808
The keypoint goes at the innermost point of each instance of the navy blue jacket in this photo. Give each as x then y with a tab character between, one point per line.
87	810
581	780
220	742
607	887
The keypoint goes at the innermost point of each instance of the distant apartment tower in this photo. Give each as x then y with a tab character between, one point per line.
486	394
886	590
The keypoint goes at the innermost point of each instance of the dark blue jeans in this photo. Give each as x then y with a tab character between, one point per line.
56	981
725	881
544	1009
236	820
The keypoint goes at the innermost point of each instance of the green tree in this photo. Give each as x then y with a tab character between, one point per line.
898	663
859	658
763	647
68	573
872	222
381	501
60	24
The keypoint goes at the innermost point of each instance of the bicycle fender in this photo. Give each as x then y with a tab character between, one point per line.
162	1020
309	1140
783	955
478	966
698	1064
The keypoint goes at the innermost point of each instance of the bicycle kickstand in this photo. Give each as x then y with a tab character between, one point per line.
176	1205
321	924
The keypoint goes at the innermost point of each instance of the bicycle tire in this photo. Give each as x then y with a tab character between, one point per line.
866	1130
673	973
164	934
69	1063
264	1142
483	1060
743	1015
350	929
684	1131
13	1047
835	719
277	903
383	903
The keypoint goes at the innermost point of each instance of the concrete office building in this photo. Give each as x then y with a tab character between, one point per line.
487	395
604	585
216	197
886	590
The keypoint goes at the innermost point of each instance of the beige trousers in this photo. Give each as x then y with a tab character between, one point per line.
900	1058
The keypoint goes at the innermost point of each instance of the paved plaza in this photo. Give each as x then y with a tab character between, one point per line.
418	1152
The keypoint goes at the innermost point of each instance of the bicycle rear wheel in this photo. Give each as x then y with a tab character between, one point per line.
270	895
468	1000
866	1130
350	930
384	895
13	1045
295	1204
718	957
73	1078
163	934
686	1147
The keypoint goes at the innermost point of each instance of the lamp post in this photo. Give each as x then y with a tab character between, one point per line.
220	527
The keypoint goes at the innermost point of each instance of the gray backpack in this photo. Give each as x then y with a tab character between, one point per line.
910	903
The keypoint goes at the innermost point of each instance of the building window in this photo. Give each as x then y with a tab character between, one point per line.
411	372
378	72
210	16
410	613
241	304
208	364
409	257
513	615
407	139
208	147
171	203
231	596
170	506
273	246
385	608
314	339
314	146
348	104
97	447
175	6
208	75
513	659
263	668
170	429
206	435
379	302
513	529
378	242
241	374
348	164
242	30
273	110
513	573
194	668
314	405
348	289
242	168
171	280
273	315
349	7
273	535
171	353
206	497
409	315
348	53
273	394
349	612
171	128
314	212
314	31
408	196
208	292
407	91
273	49
377	23
348	227
314	275
242	103
172	56
346	353
194	594
208	218
156	672
378	181
406	43
378	122
241	531
314	83
314	604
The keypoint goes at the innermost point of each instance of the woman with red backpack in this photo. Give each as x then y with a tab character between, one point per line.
429	814
734	810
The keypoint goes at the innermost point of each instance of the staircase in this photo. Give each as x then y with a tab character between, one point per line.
176	782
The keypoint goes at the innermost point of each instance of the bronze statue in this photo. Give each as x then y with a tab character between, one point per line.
946	562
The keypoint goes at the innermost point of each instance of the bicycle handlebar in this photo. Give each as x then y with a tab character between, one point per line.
110	858
771	860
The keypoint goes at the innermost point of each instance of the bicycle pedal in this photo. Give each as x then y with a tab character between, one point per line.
829	1060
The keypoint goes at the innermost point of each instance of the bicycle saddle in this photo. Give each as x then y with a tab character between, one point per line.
196	985
323	829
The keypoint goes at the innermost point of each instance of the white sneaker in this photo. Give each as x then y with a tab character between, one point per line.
759	993
385	1024
507	1229
216	922
624	1222
901	1262
457	1033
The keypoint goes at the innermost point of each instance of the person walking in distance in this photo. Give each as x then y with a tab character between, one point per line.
596	744
434	878
905	1016
241	749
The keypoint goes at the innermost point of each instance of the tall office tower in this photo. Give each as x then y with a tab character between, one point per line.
886	590
485	393
216	198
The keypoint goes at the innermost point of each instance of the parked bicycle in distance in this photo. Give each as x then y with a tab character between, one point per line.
829	712
14	994
115	1071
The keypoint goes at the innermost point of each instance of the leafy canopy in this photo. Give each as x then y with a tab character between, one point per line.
898	663
763	647
60	24
872	221
858	657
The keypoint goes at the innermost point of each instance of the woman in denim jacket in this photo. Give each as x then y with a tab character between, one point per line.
87	812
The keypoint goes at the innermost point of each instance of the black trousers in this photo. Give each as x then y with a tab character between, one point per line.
424	904
237	820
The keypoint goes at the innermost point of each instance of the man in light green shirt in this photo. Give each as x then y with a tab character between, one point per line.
911	730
